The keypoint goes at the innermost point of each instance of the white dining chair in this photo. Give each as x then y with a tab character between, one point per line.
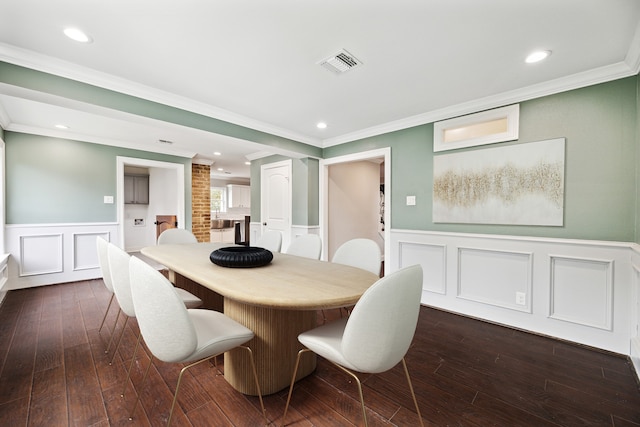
176	235
103	260
270	240
307	245
376	336
361	253
119	264
174	334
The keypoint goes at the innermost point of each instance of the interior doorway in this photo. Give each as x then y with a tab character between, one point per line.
276	192
348	170
166	197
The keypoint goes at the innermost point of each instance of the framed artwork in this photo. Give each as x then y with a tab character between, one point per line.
519	184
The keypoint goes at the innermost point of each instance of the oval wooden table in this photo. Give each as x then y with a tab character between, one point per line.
277	302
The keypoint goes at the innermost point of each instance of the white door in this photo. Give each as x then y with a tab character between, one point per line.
275	206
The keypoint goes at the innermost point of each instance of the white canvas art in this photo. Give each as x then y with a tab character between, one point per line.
519	184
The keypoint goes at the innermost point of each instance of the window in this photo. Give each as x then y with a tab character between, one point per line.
218	199
487	127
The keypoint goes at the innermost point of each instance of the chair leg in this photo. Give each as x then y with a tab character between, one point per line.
354	376
175	395
293	380
113	329
133	359
115	349
144	380
255	376
183	370
413	395
105	313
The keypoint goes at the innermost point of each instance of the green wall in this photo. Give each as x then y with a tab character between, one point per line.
51	180
600	124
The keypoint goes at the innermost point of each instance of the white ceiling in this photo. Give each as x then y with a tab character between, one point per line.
255	63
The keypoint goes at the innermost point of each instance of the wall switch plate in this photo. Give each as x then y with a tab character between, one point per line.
108	199
521	298
411	200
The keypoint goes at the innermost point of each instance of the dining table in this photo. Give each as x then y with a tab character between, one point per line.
277	301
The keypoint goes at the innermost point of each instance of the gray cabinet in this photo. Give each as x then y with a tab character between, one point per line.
136	189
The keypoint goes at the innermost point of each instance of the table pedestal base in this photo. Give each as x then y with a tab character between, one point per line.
275	347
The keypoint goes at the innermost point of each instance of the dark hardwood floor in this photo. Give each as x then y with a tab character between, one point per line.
54	372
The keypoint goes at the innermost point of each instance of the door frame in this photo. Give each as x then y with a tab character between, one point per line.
324	194
133	161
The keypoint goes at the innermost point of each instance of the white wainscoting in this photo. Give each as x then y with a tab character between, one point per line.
635	311
44	254
580	291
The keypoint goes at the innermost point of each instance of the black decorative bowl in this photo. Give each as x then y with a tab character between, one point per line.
241	257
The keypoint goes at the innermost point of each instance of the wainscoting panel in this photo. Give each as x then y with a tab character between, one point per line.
44	254
41	254
493	277
84	250
575	290
586	280
635	313
432	258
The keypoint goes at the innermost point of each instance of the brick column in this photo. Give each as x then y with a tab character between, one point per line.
201	202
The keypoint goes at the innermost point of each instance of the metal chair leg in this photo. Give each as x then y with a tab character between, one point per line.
115	349
183	370
133	360
354	376
144	380
105	313
255	377
293	380
413	395
113	329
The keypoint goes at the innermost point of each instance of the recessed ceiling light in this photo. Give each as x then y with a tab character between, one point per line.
217	153
220	169
247	163
537	56
321	125
62	127
77	35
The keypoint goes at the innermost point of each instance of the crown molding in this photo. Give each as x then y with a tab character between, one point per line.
563	84
5	120
633	54
55	66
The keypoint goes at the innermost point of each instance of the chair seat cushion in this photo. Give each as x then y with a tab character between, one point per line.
189	299
326	341
216	333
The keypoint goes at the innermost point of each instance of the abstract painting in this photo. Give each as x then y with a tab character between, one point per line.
520	184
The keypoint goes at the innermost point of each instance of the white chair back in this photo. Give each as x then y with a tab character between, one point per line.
176	235
383	322
270	240
119	263
361	253
163	319
103	260
308	246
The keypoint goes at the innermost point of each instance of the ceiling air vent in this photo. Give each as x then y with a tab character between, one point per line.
340	63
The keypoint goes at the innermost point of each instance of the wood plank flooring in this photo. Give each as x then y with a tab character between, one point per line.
54	372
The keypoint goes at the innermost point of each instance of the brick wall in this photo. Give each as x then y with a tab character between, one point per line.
201	202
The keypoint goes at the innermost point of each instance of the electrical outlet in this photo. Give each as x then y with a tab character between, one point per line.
521	298
108	199
411	200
